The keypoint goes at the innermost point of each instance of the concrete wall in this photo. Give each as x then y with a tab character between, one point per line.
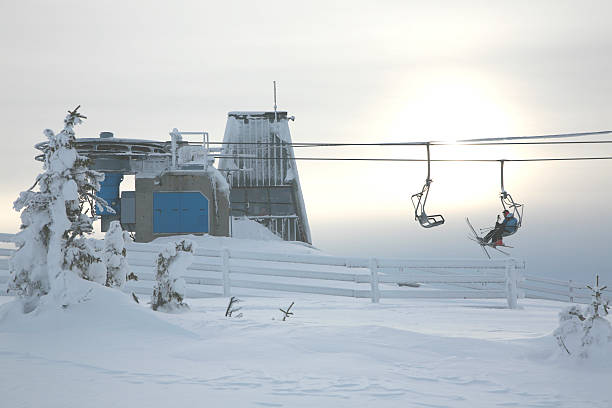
177	181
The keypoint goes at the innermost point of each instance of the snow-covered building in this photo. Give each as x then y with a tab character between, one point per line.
259	162
178	190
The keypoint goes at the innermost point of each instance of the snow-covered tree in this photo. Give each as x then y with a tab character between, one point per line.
584	330
54	220
169	289
117	268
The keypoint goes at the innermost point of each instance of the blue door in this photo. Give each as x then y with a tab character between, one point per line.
194	212
184	212
165	212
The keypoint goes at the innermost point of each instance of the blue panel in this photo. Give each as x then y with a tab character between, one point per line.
180	212
109	191
165	212
194	213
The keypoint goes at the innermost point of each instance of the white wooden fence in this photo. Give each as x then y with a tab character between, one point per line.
223	272
553	289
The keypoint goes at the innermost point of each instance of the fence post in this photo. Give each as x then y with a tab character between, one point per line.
512	284
225	269
374	280
571	292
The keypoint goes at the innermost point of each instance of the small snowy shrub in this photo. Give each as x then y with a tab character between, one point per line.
83	258
287	313
117	269
584	331
97	270
54	221
169	289
232	308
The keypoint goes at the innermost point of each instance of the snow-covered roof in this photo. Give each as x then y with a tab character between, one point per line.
269	114
118	140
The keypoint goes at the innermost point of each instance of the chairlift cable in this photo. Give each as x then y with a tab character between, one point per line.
469	142
411	144
550	136
382	159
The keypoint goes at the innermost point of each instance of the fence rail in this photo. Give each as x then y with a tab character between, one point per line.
552	289
219	272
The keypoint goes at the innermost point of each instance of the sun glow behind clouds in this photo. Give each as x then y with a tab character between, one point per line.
448	107
428	107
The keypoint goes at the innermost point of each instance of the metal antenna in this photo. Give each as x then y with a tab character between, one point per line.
275	116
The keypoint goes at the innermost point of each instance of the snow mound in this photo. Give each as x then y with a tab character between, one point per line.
243	228
94	312
252	241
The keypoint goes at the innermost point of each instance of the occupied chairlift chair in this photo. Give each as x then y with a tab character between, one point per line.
509	204
420	199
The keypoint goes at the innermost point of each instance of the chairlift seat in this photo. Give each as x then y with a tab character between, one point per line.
507	233
429	221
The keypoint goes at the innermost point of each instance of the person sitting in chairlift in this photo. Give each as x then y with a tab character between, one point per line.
508	226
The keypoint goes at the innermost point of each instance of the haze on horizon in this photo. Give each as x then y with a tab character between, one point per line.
350	72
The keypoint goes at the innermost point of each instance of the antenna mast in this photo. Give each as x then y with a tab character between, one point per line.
275	116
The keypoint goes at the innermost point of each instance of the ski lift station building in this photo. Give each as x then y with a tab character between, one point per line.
180	190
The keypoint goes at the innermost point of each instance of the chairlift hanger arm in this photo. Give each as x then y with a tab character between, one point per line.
507	201
503	190
419	200
428	181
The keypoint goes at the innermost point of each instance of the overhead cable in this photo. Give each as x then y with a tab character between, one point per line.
564	142
383	159
469	142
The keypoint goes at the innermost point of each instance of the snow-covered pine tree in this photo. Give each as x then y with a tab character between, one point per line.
117	268
54	220
582	331
169	289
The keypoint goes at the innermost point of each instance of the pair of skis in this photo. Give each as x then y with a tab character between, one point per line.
476	238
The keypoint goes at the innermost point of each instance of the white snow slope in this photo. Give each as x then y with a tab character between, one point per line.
108	351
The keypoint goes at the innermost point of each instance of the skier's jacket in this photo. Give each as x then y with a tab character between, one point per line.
510	224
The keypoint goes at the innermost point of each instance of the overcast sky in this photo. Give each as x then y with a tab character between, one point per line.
349	71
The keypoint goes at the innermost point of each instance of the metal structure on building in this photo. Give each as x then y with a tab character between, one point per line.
259	163
176	184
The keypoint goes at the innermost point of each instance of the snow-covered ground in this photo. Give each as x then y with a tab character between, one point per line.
107	351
